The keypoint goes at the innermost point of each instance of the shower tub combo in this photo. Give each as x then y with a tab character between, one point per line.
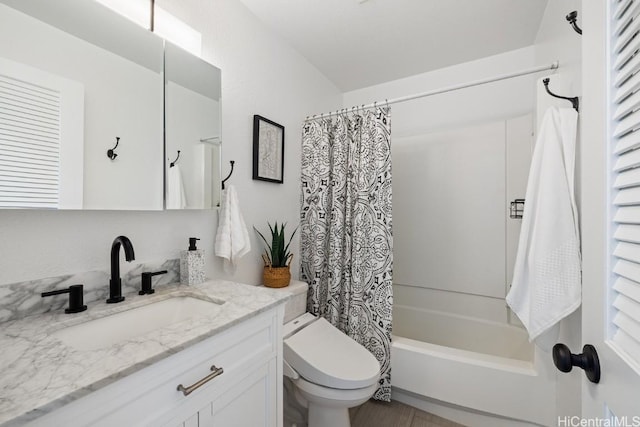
475	371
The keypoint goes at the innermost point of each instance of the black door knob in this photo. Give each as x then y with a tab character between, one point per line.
587	360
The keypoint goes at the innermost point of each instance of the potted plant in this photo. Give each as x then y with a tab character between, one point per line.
276	257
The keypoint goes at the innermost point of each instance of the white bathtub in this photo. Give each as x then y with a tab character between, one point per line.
483	368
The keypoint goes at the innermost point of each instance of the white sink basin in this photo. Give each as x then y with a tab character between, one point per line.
115	328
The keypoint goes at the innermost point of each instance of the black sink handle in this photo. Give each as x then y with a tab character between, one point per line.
146	282
76	298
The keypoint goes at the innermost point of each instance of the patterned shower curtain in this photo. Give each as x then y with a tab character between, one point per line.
346	239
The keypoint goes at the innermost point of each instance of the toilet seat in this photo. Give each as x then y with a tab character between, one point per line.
328	395
325	356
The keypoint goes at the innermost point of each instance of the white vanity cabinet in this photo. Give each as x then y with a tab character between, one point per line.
248	403
247	393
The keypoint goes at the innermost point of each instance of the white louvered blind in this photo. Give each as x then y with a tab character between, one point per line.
625	102
29	144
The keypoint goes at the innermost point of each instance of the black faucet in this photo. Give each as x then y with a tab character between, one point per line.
115	284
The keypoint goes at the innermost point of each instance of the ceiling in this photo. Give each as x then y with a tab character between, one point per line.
359	43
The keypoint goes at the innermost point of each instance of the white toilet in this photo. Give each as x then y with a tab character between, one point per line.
330	372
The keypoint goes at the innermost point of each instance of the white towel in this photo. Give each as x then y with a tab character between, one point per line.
232	238
546	283
176	197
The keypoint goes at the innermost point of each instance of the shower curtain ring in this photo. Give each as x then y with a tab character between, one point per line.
386	100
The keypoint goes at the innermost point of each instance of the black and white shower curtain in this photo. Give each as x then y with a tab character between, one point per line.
346	239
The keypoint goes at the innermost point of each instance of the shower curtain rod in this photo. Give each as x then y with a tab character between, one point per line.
537	69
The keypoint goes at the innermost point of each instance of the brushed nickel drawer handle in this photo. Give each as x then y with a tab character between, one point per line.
188	390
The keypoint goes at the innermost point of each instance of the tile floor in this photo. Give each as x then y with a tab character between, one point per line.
395	414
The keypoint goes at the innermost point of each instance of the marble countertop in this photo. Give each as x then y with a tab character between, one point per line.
39	373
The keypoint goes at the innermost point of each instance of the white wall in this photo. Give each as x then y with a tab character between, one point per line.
493	101
454	244
556	40
260	75
449	193
417	193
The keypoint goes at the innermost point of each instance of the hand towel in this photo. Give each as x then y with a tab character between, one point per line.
232	237
546	283
176	197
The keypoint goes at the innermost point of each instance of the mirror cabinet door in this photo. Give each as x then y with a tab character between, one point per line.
81	111
116	66
192	131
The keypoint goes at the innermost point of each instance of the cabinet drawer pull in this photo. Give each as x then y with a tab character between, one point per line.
188	390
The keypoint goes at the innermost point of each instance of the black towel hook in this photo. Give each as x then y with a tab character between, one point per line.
111	152
574	100
572	18
228	176
172	164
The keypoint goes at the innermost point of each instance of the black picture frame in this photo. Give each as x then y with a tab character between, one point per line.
268	150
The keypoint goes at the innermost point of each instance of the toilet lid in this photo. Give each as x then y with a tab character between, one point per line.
323	355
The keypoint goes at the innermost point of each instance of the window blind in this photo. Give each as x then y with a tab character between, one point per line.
625	108
29	144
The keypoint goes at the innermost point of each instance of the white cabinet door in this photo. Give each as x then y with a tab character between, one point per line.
205	416
250	403
192	421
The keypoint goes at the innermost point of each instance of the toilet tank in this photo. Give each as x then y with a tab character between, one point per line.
297	305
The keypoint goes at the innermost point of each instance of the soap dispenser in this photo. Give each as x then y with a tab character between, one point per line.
192	264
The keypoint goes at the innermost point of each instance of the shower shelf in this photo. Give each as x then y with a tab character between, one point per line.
516	209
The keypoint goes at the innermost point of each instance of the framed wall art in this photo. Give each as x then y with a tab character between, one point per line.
268	150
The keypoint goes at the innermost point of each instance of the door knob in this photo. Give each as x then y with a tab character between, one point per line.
587	360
